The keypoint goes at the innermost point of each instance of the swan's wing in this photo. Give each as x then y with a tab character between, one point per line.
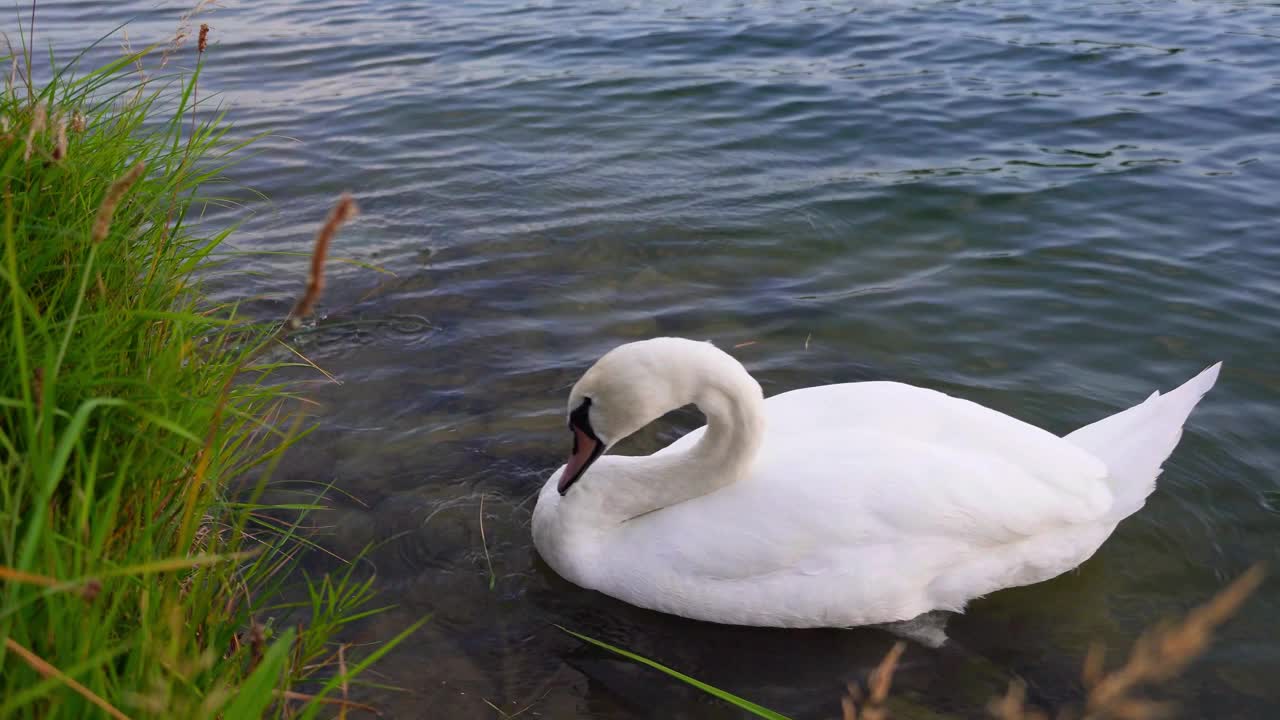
929	416
900	468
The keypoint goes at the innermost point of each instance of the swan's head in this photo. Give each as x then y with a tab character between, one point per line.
633	385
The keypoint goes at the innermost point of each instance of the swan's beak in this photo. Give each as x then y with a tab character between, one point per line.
585	451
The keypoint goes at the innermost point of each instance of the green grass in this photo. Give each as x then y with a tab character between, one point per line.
131	411
735	700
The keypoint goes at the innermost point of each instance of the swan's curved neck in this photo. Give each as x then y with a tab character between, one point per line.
733	405
735	428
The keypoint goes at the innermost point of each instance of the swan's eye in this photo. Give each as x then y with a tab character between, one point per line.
580	419
586	446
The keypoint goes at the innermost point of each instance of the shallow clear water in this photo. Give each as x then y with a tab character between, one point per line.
1051	208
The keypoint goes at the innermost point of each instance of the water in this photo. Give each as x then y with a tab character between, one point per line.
1051	208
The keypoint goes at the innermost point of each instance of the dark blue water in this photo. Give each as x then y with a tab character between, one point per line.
1052	208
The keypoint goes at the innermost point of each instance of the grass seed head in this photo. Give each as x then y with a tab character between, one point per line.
1161	654
102	223
343	211
38	120
60	142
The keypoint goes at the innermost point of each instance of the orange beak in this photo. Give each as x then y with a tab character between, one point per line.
585	451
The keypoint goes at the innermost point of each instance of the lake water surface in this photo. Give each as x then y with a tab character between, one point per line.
1052	208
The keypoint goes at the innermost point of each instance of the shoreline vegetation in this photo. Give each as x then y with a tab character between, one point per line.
139	575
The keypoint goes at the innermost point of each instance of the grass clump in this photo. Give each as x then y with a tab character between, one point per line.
130	584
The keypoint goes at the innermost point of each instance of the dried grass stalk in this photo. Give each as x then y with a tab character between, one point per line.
343	703
852	705
882	678
102	223
1013	705
184	29
1094	666
257	643
48	671
38	120
342	671
127	48
203	42
60	143
1159	655
1162	653
9	574
344	210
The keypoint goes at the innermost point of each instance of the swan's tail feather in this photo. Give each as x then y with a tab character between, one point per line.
1136	442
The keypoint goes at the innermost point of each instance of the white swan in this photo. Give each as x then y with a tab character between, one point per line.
831	506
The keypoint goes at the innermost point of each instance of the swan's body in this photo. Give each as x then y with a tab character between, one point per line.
837	505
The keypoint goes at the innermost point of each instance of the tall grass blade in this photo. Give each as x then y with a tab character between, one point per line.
754	709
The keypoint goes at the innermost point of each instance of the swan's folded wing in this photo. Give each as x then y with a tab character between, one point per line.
874	494
928	416
913	469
